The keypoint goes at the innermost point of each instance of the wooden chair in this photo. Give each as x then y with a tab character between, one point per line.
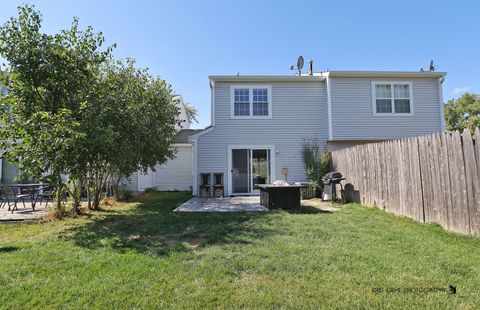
12	197
205	185
218	184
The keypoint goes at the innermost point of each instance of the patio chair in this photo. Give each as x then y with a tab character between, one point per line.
46	194
12	197
218	185
3	200
205	185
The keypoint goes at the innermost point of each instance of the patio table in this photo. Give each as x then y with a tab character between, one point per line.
280	196
31	189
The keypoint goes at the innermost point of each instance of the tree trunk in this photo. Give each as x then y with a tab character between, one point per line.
77	195
58	196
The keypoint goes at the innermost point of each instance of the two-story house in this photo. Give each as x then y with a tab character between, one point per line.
260	122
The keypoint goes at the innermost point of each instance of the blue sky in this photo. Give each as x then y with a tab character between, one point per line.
186	41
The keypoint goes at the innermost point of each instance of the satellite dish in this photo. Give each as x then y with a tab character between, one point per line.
300	63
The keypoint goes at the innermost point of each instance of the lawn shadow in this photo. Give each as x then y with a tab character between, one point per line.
7	249
306	209
152	228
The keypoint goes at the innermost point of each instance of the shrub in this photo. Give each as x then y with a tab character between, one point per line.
124	194
315	162
151	190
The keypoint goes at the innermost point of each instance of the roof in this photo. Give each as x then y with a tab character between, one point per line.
183	134
265	78
384	74
320	76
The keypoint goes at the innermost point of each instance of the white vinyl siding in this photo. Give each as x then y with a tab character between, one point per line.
175	174
250	101
392	98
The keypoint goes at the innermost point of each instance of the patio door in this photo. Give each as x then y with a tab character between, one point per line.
249	167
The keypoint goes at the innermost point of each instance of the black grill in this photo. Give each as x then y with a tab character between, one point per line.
330	180
332	177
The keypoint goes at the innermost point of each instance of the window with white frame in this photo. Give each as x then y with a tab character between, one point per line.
251	102
241	102
392	98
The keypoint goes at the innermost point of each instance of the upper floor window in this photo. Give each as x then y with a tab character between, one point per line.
392	98
251	102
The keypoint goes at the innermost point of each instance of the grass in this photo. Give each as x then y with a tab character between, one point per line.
141	255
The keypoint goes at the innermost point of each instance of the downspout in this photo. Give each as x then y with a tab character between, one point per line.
329	107
440	98
194	163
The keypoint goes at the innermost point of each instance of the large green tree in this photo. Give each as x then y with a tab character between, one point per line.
463	112
131	124
72	110
49	77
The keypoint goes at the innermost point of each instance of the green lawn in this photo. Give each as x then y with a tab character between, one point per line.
141	255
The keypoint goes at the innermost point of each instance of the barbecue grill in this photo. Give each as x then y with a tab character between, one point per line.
330	180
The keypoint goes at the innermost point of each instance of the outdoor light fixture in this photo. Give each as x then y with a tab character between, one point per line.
285	172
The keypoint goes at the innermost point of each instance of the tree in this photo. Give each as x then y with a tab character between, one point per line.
72	110
192	112
49	77
463	112
131	124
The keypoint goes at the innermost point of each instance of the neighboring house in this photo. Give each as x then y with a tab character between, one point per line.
175	174
259	122
8	171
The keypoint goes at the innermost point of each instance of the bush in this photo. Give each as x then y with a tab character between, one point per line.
124	194
151	190
315	162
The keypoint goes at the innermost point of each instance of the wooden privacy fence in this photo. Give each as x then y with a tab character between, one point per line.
434	178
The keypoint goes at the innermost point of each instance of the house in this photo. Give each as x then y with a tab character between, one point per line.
175	174
8	171
258	123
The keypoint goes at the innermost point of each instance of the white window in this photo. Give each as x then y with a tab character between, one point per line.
251	101
392	98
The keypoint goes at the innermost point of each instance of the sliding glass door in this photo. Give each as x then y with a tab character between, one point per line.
249	168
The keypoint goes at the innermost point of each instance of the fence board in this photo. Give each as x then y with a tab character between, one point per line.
471	180
433	178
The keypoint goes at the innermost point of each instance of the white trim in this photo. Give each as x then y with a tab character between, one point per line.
212	99
250	101
194	170
200	133
442	107
387	74
182	144
329	107
392	98
264	78
249	146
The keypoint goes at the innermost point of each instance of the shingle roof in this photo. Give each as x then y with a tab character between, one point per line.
183	134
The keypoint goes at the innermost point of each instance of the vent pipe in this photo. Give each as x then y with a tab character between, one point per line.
310	67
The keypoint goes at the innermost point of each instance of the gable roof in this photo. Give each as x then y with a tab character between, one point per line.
184	134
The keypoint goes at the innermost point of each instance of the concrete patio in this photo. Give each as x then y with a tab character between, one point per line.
240	204
22	213
226	204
